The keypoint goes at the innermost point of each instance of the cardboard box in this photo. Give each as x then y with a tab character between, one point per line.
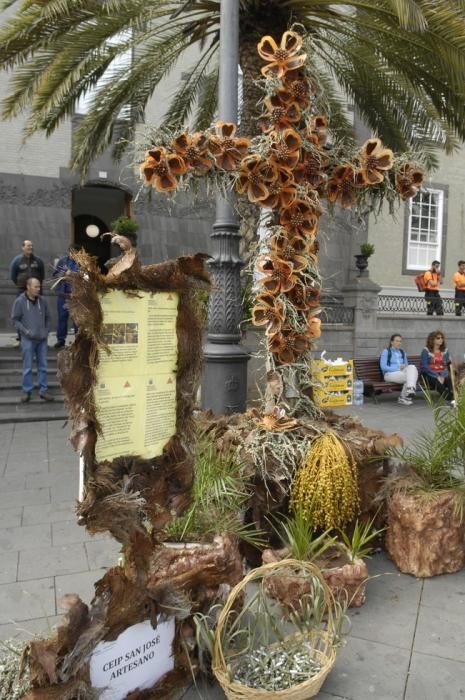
328	399
323	369
345	383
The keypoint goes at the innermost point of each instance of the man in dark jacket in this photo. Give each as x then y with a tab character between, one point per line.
31	317
62	270
24	266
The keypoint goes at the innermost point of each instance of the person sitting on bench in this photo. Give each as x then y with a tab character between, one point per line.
434	365
395	368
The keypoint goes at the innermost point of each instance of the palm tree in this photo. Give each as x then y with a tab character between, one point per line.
401	62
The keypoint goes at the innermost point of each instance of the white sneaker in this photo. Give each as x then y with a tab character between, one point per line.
411	392
404	401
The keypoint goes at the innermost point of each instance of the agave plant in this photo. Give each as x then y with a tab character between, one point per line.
401	63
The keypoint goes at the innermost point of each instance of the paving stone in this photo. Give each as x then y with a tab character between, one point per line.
368	670
446	592
60	464
67	477
82	584
70	532
441	632
42	626
27	462
433	678
9	567
49	512
52	561
10	517
12	482
27	600
389	613
25	538
28	444
65	491
24	498
102	553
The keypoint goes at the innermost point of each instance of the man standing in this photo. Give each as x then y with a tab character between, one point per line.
433	299
459	284
63	269
24	266
31	318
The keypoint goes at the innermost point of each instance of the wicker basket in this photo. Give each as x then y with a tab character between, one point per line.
321	641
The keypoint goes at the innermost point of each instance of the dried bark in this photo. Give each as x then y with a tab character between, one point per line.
426	535
347	581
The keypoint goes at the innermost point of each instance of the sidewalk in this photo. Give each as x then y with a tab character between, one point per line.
406	642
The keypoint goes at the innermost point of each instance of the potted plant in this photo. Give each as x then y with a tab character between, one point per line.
425	501
340	560
361	260
125	226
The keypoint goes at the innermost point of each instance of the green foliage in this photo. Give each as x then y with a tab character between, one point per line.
218	499
367	249
358	543
299	536
438	456
124	225
401	62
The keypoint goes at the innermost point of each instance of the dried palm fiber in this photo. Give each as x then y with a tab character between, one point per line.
121	493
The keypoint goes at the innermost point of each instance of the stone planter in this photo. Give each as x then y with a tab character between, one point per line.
347	581
425	535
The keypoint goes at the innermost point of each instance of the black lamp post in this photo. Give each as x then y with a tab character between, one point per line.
224	385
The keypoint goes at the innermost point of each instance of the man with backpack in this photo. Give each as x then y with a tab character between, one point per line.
459	284
432	280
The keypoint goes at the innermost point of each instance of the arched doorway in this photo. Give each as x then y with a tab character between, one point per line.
94	207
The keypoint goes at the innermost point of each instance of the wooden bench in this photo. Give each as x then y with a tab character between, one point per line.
368	370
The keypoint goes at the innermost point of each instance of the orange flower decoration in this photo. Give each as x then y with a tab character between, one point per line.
285	151
279	274
341	185
299	88
309	169
304	298
288	345
282	58
192	149
375	158
282	192
256	177
226	149
290	250
314	327
408	180
276	420
161	167
300	219
280	114
268	312
317	130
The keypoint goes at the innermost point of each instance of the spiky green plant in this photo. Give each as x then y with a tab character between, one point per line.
219	496
300	537
359	544
402	64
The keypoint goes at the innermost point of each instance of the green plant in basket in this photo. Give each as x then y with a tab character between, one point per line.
219	497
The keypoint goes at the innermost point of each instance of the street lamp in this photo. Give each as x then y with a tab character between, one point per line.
224	386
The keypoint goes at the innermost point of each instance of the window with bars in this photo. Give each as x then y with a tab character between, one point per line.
425	229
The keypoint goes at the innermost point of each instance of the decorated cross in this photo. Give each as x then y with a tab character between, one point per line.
288	170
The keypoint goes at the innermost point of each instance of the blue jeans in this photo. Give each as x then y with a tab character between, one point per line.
63	316
29	349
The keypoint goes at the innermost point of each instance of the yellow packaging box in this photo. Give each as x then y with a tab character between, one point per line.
328	399
323	369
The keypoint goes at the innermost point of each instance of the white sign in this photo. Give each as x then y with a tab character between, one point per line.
138	658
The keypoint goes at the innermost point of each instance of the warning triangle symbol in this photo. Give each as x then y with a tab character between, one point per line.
126	384
170	381
170	298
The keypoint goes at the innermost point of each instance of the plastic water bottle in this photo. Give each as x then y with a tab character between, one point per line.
358	393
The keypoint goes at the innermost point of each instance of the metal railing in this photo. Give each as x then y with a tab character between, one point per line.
410	305
333	314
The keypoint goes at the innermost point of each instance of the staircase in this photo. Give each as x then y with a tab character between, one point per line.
11	408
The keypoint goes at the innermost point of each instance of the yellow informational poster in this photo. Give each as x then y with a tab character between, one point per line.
135	393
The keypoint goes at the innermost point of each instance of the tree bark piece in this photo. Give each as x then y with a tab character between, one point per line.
425	535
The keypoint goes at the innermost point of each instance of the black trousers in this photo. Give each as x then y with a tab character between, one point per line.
444	390
434	304
459	302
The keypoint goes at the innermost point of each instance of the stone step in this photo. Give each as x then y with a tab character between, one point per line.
13	411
